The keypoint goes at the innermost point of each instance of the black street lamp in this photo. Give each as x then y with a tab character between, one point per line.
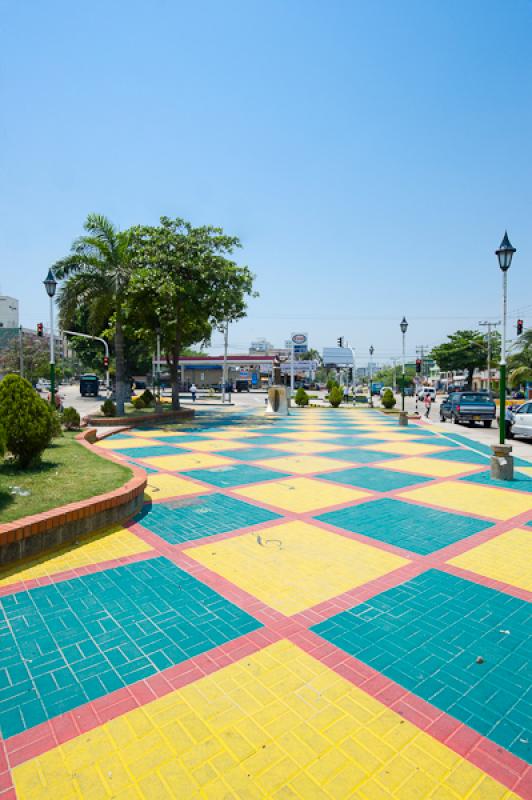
404	327
505	255
50	284
370	370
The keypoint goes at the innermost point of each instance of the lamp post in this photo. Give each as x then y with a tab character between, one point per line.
50	284
504	254
371	351
404	326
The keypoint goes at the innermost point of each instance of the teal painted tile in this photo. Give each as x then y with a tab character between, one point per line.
234	475
377	480
417	528
441	667
149	452
357	455
521	482
110	609
250	453
189	518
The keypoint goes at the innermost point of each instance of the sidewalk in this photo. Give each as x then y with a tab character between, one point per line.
324	605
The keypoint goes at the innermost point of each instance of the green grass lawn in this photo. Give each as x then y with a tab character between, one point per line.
67	472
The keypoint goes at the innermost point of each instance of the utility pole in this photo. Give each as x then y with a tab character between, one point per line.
489	326
20	352
224	370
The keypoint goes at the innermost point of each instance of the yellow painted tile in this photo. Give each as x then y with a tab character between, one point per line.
158	434
303	465
310	566
122	444
525	470
305	447
388	436
162	486
115	542
507	558
436	468
309	436
186	461
212	445
404	448
292	771
301	494
482	500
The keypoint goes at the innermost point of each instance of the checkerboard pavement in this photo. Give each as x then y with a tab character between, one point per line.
323	605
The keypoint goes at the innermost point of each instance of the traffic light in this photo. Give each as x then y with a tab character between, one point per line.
39	329
418	365
519	327
106	361
340	341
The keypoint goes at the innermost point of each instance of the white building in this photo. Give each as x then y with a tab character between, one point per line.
8	312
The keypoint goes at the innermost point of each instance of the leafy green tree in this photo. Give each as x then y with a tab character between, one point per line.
27	420
184	285
465	350
36	357
97	273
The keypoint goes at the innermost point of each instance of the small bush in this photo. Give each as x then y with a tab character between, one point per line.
108	408
148	398
388	400
331	384
27	420
335	396
138	403
71	419
301	397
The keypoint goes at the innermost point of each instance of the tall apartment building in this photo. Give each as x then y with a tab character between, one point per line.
8	312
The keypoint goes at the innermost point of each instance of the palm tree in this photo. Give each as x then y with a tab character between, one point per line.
521	361
97	273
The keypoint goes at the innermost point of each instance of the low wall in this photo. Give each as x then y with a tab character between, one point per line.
142	419
29	536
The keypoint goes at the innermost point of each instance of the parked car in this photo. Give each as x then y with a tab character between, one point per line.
423	391
468	407
518	395
521	424
242	385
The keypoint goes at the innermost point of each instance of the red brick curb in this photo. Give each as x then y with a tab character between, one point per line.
30	535
145	419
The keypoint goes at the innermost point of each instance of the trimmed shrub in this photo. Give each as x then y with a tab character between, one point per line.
335	396
301	398
148	398
27	420
138	403
108	408
71	419
331	384
388	400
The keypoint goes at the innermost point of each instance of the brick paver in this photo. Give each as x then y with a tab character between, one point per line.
322	605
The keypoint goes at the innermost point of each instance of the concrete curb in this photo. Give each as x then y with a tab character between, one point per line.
30	535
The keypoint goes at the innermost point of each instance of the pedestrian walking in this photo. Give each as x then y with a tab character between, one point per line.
193	391
346	394
428	403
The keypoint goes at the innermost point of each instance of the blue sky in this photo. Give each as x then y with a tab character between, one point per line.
369	154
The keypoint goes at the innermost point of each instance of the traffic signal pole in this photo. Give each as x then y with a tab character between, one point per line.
96	339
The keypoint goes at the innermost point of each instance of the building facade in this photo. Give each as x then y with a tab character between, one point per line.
8	312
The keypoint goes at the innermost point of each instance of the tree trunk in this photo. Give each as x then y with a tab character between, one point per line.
121	388
174	371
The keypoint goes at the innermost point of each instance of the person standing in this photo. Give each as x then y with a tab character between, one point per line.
428	403
193	391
